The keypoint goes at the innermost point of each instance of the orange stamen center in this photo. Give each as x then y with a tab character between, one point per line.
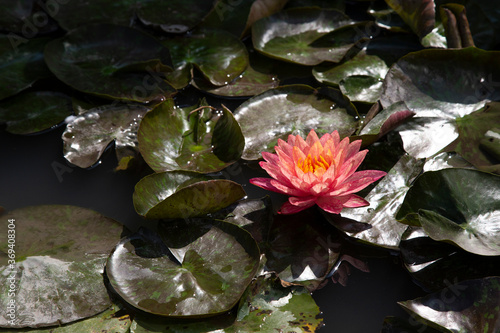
311	165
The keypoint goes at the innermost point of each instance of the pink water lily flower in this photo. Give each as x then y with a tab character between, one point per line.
317	171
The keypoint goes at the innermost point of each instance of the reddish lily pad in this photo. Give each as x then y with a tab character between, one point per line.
111	61
186	273
291	109
178	194
59	256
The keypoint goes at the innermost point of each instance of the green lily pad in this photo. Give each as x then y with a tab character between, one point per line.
468	306
59	253
420	16
360	77
111	61
288	35
189	274
108	321
291	109
472	129
440	86
385	199
87	136
457	205
176	16
251	82
180	194
302	253
220	56
436	265
33	112
171	138
265	307
22	63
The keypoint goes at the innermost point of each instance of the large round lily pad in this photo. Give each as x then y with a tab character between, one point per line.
457	205
291	109
111	61
179	194
172	138
440	86
288	35
36	111
189	273
55	264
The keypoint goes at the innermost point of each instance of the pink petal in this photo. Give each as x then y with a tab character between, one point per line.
298	155
312	138
355	201
350	166
265	183
276	173
325	138
271	158
353	149
358	181
318	189
301	144
330	204
288	208
316	150
302	201
284	188
285	147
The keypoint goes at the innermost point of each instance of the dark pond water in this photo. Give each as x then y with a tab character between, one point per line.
33	171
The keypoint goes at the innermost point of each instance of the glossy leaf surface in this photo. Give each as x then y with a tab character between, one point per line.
468	306
419	15
302	253
172	138
441	202
293	109
220	56
179	194
436	265
385	199
60	253
36	111
440	86
194	255
288	35
111	61
87	136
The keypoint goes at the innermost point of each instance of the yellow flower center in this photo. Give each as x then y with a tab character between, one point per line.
311	165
